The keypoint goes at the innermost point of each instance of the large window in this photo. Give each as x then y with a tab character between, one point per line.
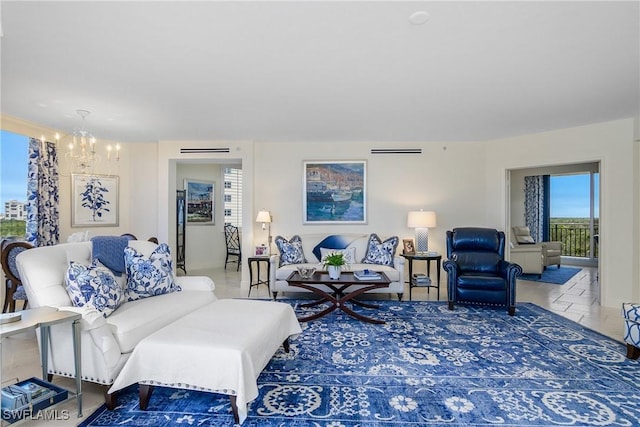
575	215
14	151
233	196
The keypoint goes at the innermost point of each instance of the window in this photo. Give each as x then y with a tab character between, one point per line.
233	196
14	153
574	203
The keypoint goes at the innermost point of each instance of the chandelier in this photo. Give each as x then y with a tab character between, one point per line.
82	154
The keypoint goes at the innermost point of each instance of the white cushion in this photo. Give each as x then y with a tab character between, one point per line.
348	253
134	320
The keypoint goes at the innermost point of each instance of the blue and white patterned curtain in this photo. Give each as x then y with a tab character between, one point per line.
43	216
533	205
536	206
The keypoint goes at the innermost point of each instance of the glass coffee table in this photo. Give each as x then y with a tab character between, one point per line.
338	292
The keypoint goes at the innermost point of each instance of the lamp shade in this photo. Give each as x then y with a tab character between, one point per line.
263	216
421	219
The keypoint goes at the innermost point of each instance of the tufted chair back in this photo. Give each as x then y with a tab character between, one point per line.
476	269
476	249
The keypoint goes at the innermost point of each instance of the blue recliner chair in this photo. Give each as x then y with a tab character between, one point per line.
476	269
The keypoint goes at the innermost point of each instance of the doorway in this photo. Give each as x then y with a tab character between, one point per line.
572	218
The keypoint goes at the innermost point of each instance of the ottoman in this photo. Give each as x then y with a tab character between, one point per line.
221	348
631	314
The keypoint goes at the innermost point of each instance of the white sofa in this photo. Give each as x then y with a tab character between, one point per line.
278	274
106	342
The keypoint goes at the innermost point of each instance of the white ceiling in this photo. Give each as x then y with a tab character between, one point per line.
319	70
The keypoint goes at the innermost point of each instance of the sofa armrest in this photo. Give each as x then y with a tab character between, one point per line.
398	264
520	249
557	246
274	261
91	318
195	283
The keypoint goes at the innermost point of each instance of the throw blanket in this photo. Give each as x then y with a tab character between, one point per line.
109	250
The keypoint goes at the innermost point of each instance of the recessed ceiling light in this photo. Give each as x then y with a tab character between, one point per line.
420	17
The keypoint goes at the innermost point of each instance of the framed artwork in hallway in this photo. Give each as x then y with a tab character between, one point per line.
200	202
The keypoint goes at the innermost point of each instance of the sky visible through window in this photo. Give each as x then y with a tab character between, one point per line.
14	150
570	196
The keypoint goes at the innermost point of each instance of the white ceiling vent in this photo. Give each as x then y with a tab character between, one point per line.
396	151
203	150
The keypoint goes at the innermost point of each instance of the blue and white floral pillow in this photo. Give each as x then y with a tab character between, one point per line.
379	252
290	250
149	276
93	285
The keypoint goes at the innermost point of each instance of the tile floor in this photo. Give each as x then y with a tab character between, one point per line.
576	300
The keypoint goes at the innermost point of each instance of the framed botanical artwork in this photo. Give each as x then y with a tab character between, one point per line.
94	200
408	246
200	202
334	192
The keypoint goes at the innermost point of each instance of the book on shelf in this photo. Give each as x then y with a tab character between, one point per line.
421	279
366	275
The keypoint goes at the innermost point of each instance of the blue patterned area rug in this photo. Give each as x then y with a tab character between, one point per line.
427	366
553	274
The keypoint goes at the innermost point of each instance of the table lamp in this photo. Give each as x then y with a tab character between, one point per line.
421	221
265	218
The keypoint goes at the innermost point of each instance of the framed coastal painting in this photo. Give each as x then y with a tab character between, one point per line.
200	202
94	200
334	192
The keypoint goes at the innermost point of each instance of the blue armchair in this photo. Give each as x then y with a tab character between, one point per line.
476	269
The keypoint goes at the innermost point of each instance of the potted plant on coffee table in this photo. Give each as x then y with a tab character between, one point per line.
334	263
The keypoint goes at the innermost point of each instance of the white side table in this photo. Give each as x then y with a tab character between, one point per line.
43	318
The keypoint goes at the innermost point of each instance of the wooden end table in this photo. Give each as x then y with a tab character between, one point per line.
423	257
258	259
338	296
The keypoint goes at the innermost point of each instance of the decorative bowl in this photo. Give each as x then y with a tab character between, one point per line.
306	272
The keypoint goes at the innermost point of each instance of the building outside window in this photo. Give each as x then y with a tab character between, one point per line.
14	209
233	196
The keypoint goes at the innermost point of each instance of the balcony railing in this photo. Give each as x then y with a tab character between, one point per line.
576	239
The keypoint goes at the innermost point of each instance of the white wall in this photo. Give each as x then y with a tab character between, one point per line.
464	182
137	164
611	144
439	179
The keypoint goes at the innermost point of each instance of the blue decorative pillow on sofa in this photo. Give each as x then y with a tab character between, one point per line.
93	285
334	241
379	252
149	276
290	250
